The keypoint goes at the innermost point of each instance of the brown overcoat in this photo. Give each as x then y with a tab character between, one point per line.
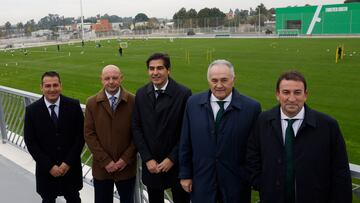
108	135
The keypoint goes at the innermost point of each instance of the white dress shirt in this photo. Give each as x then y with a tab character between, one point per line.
117	95
163	88
297	123
215	106
57	106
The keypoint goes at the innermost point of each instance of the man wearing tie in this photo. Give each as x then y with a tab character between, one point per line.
217	124
53	133
156	124
297	154
109	138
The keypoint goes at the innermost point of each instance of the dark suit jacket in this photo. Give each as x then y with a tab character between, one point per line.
217	162
50	147
156	128
321	164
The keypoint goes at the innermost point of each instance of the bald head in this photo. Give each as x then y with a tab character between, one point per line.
110	68
111	78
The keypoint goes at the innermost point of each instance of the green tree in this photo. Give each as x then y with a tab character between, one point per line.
8	28
180	17
153	23
241	16
141	17
29	27
264	14
51	21
191	18
204	17
20	27
88	20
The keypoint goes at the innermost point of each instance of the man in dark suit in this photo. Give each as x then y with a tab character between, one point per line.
53	134
297	154
216	126
156	125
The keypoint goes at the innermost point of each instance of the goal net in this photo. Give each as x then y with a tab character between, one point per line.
288	33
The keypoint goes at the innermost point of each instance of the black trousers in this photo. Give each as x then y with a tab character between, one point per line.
104	190
70	198
179	195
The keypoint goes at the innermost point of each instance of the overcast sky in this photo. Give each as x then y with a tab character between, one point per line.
15	11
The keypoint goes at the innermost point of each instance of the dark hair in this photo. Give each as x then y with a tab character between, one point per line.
291	75
164	57
50	74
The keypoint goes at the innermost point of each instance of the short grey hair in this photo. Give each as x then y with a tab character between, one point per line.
221	62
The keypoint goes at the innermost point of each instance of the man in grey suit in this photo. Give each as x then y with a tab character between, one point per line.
297	154
156	124
53	133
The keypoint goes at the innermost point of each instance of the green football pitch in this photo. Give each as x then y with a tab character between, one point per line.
333	88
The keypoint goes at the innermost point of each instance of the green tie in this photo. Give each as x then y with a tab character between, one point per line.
289	160
219	115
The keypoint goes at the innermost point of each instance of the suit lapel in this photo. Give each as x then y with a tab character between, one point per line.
62	111
102	100
44	112
276	124
150	92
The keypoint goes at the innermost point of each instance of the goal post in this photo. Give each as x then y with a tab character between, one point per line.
124	45
288	32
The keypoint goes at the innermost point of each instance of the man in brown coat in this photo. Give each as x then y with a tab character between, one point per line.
109	138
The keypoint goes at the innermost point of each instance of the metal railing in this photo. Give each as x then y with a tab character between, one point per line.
12	111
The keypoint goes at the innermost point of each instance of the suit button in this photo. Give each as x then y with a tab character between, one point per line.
279	160
57	134
277	183
58	148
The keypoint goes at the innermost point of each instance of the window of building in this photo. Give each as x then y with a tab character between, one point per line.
293	24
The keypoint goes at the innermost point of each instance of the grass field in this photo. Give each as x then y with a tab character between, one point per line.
333	88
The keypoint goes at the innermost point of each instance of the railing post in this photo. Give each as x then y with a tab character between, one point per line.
3	131
138	185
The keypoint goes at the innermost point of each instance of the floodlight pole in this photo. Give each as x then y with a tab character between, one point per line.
82	21
259	21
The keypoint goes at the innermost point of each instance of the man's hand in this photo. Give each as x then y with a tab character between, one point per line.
55	171
152	166
121	164
165	165
111	167
186	184
64	168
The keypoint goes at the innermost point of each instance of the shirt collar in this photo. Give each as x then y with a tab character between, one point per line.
214	99
117	94
47	103
163	87
299	116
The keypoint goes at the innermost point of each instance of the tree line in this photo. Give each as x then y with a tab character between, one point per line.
206	17
213	17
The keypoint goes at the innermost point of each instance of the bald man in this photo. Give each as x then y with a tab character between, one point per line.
108	135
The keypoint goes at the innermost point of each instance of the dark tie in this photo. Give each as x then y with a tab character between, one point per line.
53	115
289	160
113	102
158	92
219	115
